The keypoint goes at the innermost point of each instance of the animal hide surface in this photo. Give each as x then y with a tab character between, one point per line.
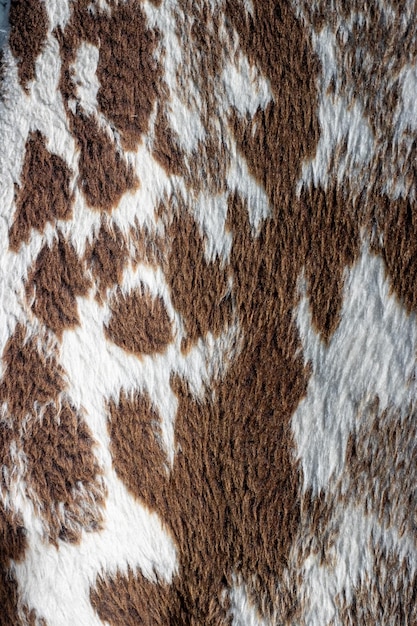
208	297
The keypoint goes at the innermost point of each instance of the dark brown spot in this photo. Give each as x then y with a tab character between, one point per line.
28	30
29	376
132	600
56	281
107	257
139	323
63	474
44	195
104	173
136	446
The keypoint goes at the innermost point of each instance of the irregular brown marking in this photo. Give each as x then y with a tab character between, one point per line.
128	73
136	446
29	376
55	282
278	139
199	289
166	150
232	498
329	221
323	224
63	472
28	21
386	596
139	323
398	219
132	600
107	257
12	547
104	174
44	193
220	492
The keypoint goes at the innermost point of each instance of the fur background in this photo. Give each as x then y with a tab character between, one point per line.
208	265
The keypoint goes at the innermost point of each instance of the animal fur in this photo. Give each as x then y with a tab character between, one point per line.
208	313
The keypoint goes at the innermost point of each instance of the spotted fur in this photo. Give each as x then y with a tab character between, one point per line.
208	313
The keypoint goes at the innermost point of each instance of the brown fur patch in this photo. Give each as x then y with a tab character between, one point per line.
270	376
63	472
107	256
319	528
9	598
56	280
28	30
136	446
105	175
12	546
132	600
12	537
166	150
330	224
44	195
199	289
139	323
398	220
29	376
128	74
278	139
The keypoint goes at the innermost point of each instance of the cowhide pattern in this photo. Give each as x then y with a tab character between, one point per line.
208	304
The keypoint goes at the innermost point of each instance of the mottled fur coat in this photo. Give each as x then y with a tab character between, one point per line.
208	297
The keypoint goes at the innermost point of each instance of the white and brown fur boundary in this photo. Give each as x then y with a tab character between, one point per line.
208	313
